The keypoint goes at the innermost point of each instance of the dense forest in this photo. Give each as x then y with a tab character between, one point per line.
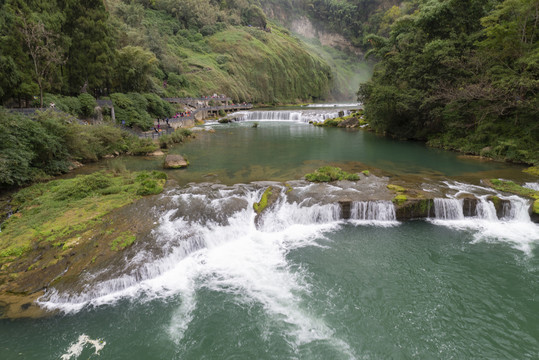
462	75
166	47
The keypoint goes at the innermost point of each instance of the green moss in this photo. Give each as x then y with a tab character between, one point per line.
329	173
396	188
263	203
511	187
496	201
366	172
125	240
59	211
536	207
400	199
534	170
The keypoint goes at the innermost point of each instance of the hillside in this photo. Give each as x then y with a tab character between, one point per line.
171	48
461	75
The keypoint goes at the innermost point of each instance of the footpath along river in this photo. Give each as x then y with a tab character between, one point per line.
303	284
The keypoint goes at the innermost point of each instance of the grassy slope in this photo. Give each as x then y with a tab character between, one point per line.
257	66
245	63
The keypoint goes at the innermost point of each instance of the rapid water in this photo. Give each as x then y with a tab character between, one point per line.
511	225
213	280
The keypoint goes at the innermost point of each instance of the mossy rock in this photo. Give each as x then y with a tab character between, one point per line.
400	199
414	209
330	173
175	162
396	188
263	203
366	172
534	170
513	188
122	242
535	208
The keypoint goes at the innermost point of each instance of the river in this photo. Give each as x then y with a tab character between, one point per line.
209	283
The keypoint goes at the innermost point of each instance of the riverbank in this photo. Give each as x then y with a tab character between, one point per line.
61	229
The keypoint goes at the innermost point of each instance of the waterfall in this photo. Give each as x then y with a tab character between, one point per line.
516	210
532	185
485	210
448	209
299	116
373	210
197	221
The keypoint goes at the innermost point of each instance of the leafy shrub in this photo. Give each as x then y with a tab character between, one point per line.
87	104
142	146
84	186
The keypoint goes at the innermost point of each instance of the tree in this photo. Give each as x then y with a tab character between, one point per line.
44	48
91	53
134	68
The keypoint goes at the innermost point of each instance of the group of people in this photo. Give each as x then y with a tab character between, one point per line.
182	114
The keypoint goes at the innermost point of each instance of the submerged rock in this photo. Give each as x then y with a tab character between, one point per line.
175	162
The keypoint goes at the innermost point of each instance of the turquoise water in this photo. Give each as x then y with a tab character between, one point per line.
413	291
208	284
283	151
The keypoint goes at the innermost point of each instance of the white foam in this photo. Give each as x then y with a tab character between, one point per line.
75	350
522	236
532	185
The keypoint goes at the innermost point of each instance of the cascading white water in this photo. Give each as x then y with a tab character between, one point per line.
448	209
200	223
485	210
514	225
300	116
516	209
532	185
373	210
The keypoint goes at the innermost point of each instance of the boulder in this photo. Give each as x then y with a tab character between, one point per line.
351	122
156	153
175	162
414	209
469	205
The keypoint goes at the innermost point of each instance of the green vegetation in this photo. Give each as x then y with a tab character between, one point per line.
59	211
462	75
125	240
329	173
139	110
400	199
178	136
534	170
353	120
396	188
167	47
511	187
366	172
38	148
263	203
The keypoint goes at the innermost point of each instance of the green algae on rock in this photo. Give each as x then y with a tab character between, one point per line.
329	173
263	203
